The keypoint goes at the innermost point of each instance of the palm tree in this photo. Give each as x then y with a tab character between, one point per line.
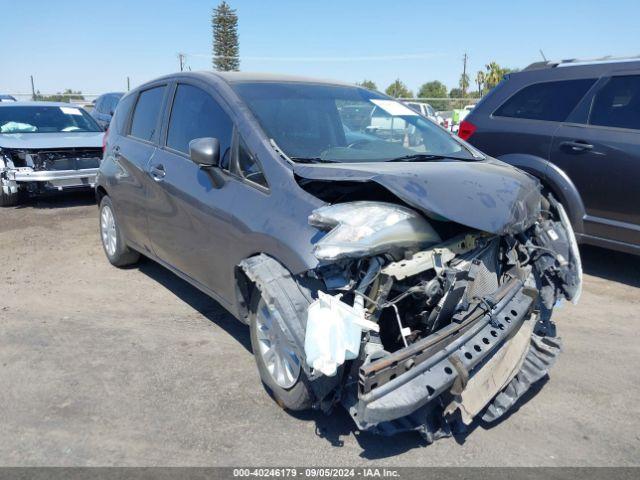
494	74
480	79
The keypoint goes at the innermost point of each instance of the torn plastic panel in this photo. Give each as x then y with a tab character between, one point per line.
447	314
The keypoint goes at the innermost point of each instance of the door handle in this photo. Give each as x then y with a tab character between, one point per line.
157	172
577	145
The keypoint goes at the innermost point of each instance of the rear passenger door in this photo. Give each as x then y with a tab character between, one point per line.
602	158
132	152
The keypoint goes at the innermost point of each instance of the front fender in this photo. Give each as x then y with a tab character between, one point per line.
556	180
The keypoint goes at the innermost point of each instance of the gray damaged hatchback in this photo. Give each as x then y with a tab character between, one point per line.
382	265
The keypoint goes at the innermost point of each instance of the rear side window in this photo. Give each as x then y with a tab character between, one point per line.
98	106
110	104
551	101
145	116
122	113
617	104
195	114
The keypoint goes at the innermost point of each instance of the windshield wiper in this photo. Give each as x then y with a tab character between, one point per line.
311	160
420	157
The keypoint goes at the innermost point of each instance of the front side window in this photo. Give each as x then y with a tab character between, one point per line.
46	119
195	114
551	101
332	123
617	104
249	167
144	123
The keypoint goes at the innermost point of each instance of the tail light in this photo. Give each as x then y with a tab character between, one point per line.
466	130
104	140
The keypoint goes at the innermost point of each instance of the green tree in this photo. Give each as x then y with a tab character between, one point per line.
480	81
457	93
398	90
434	89
226	49
494	73
368	84
65	96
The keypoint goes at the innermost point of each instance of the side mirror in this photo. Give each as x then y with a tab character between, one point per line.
205	152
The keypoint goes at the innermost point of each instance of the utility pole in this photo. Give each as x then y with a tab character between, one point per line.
181	60
128	87
464	75
33	90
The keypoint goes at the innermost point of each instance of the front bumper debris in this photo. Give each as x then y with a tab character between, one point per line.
448	358
57	178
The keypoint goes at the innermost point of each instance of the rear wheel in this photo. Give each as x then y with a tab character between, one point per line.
279	366
112	241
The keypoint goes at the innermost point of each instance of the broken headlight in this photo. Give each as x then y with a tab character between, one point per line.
368	228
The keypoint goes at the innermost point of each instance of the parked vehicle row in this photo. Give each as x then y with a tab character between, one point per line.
391	274
46	146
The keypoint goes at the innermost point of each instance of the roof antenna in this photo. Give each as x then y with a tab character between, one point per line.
543	57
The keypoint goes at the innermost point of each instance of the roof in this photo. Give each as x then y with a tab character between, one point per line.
577	62
238	77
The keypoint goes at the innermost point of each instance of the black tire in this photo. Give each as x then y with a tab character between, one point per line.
9	199
296	398
122	256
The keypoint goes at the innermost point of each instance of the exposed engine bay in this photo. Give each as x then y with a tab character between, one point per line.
414	321
38	170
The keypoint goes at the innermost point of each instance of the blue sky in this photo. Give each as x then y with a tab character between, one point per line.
93	46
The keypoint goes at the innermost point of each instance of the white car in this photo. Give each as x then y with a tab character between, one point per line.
46	146
426	110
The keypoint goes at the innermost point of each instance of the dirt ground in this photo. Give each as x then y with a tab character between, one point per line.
101	366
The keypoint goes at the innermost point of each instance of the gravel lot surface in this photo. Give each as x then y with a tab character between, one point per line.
101	366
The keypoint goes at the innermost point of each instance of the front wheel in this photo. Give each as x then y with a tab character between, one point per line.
112	241
9	194
279	366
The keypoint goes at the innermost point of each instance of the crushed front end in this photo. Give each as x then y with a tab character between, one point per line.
424	323
36	171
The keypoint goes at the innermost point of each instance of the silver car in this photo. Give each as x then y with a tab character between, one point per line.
46	146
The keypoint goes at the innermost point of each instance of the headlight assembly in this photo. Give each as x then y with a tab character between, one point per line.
368	228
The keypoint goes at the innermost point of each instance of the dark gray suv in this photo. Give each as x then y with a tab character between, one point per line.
104	107
575	126
396	271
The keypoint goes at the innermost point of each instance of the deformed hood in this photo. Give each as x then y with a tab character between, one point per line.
487	195
51	140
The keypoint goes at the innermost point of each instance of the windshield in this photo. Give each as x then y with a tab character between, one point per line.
45	119
344	124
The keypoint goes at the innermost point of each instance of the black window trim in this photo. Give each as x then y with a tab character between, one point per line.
234	170
160	119
605	81
527	85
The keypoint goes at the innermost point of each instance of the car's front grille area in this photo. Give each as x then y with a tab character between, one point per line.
67	159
